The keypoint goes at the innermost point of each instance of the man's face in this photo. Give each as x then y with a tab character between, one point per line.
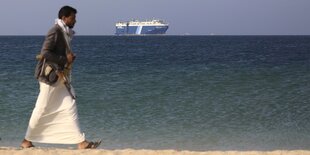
70	21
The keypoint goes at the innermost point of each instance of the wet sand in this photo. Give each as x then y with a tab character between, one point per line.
56	151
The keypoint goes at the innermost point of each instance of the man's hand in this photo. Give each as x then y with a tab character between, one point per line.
70	57
60	74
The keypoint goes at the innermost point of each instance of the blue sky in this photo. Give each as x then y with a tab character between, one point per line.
196	17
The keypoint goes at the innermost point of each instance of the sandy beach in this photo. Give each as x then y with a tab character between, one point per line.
56	151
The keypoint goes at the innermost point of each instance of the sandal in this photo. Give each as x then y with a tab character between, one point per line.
26	147
93	145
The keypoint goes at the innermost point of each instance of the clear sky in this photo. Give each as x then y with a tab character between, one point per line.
196	17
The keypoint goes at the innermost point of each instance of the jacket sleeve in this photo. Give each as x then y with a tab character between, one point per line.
49	48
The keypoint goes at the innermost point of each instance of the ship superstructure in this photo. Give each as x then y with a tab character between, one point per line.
135	27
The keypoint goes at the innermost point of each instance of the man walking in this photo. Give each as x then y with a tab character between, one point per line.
54	118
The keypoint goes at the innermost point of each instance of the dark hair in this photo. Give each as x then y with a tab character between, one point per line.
66	11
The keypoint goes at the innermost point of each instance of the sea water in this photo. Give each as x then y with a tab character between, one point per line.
172	92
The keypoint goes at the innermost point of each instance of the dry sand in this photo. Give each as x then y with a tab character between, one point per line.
55	151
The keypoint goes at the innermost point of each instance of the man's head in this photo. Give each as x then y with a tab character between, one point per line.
67	14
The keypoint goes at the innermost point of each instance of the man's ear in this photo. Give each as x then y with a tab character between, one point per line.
63	18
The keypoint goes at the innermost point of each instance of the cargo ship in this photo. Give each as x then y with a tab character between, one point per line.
136	27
